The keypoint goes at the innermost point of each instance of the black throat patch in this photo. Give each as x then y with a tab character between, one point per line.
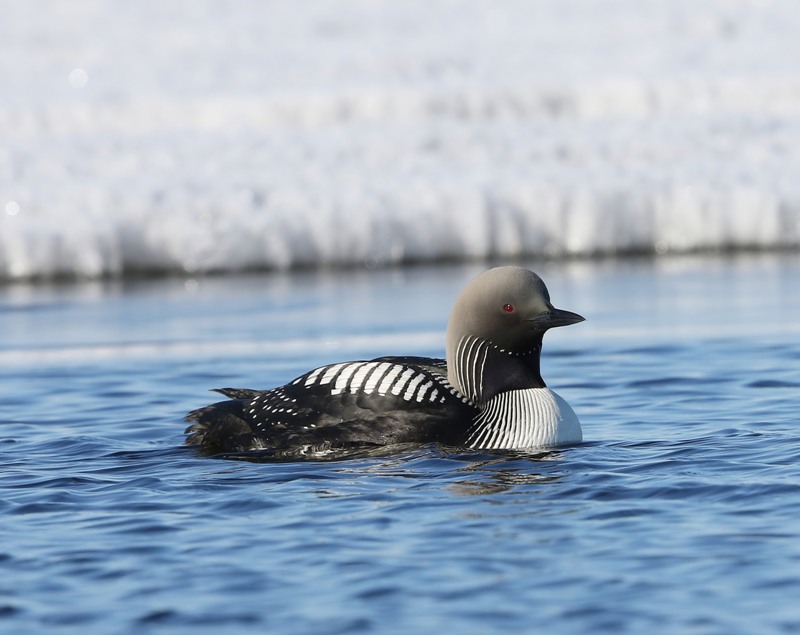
484	370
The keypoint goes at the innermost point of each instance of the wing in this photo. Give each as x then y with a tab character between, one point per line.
382	401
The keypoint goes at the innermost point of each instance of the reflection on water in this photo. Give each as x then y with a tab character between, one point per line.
501	474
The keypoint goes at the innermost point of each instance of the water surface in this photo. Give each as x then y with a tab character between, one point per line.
680	512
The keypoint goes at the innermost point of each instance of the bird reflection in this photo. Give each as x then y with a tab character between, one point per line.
499	476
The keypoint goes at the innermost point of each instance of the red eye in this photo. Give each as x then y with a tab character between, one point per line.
508	308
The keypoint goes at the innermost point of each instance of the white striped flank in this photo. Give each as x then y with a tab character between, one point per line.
366	369
376	376
530	418
408	373
312	376
344	377
331	373
412	387
382	378
389	379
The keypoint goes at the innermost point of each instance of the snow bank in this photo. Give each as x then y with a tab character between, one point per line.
199	136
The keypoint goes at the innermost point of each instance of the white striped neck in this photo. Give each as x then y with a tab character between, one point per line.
480	370
532	418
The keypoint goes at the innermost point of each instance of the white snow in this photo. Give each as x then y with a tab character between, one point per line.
209	135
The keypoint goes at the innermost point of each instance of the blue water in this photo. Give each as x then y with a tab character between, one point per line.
679	514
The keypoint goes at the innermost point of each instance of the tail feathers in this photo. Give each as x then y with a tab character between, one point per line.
219	427
238	393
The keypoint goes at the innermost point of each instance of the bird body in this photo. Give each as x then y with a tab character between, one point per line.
487	394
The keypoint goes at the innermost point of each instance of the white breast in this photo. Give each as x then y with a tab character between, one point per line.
530	418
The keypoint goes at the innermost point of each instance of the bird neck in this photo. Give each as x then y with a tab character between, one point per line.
480	370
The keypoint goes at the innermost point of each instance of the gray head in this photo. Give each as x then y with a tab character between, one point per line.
507	311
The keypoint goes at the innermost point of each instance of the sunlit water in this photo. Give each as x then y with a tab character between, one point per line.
680	513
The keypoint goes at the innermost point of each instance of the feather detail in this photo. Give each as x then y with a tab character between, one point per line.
534	417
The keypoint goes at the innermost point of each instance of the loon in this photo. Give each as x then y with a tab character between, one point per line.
487	394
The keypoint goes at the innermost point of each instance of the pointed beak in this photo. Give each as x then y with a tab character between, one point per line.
555	317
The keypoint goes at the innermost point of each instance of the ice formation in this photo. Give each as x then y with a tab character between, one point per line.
175	136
